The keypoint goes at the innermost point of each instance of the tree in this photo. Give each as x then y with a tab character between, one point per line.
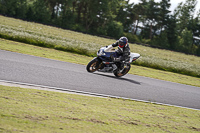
51	5
163	14
139	10
115	29
126	15
171	32
186	26
161	40
194	25
151	17
184	14
13	8
186	41
41	12
67	16
30	13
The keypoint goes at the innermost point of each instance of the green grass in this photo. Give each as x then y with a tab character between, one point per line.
81	59
52	37
30	110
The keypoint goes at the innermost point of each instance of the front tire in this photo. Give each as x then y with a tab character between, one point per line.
93	65
124	72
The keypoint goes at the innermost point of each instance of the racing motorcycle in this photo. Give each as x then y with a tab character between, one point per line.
104	63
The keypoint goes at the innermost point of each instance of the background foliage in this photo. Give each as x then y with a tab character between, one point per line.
146	22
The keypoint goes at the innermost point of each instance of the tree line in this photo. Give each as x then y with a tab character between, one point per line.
147	22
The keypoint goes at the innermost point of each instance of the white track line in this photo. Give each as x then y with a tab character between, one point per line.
42	87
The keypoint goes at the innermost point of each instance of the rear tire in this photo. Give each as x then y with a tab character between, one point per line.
93	65
124	72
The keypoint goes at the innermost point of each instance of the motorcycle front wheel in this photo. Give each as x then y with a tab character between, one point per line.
124	72
93	65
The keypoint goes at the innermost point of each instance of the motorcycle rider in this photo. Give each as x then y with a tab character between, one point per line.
122	53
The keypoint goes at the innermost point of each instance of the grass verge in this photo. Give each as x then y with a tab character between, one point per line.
81	59
65	40
30	110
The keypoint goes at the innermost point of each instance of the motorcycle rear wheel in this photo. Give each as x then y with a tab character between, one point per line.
124	72
93	65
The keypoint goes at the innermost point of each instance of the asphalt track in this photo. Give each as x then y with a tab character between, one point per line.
33	70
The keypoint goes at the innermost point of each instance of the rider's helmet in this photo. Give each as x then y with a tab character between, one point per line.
123	42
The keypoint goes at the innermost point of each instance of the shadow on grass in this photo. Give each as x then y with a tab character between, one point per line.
119	78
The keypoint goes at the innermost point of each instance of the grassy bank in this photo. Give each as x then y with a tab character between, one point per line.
30	110
81	59
46	36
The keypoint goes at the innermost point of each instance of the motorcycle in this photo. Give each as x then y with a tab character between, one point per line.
104	63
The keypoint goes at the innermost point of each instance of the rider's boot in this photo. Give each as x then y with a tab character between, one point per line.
114	67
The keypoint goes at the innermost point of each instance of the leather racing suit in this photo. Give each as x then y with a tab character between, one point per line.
122	54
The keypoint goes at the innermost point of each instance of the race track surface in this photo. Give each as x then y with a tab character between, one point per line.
41	71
